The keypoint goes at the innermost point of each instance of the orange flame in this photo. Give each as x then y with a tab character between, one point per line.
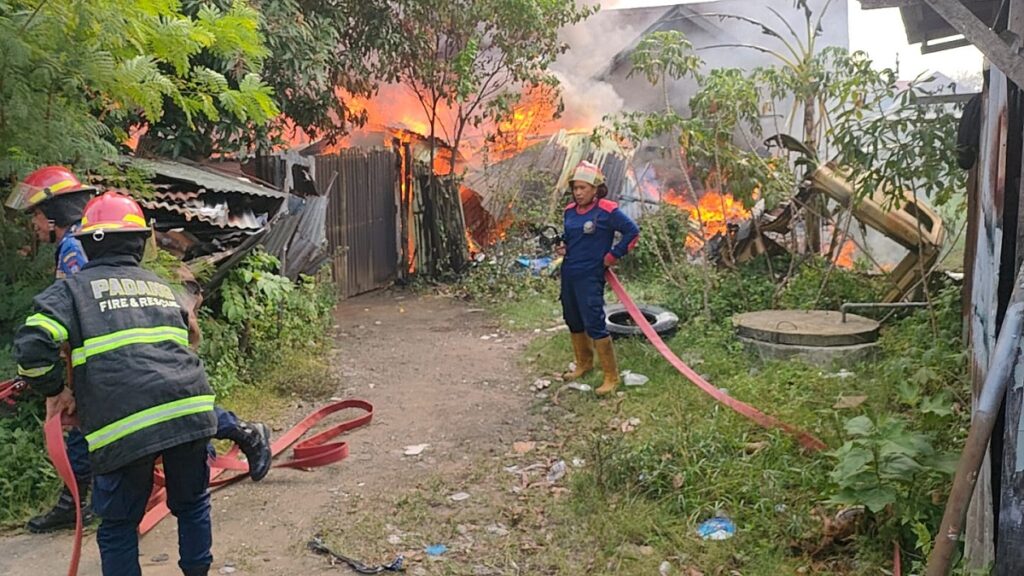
844	258
531	117
714	209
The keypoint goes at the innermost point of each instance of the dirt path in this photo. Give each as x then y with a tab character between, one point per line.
437	372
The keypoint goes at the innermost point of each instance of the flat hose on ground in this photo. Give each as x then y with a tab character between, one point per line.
747	411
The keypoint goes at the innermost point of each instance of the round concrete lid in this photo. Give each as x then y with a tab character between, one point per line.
820	328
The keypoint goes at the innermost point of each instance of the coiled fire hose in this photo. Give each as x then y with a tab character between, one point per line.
315	451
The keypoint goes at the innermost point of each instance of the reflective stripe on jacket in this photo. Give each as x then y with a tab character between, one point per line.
138	386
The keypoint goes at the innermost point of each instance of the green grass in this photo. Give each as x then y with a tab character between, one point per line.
535	311
691	459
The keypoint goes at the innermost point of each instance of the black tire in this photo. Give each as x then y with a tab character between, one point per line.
620	325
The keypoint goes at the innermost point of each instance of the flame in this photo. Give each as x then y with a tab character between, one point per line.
531	117
474	248
844	258
714	209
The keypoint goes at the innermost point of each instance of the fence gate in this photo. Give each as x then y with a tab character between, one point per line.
361	225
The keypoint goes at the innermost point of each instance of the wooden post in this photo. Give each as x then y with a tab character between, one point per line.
986	249
1010	529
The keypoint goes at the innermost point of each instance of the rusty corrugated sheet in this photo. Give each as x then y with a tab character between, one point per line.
202	178
219	214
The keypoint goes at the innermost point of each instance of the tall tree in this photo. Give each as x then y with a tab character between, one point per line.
475	57
73	74
324	51
319	54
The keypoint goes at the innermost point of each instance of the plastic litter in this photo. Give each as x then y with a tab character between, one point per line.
535	265
717	528
630	378
557	471
435	549
415	449
459	496
843	374
578	386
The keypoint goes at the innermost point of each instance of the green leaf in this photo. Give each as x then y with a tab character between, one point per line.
851	460
859	426
924	375
939	405
877	498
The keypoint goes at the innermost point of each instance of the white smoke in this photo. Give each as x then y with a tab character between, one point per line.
593	44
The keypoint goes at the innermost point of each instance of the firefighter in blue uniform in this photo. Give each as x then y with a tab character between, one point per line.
590	225
56	199
140	392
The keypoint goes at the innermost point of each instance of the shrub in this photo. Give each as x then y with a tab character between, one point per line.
262	319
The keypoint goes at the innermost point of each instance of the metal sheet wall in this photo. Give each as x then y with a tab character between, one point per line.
361	219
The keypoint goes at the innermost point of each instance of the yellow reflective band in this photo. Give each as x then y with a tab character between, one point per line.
115	340
34	372
60	186
102	225
134	219
59	332
148	417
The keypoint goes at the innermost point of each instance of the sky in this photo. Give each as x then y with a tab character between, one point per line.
881	34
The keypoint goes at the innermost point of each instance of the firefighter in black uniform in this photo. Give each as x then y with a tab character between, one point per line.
139	391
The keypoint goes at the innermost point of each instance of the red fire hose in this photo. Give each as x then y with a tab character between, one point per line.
746	410
9	390
309	453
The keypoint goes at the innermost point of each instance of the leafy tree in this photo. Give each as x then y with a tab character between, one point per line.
319	54
73	74
237	118
324	51
865	119
726	105
475	57
876	128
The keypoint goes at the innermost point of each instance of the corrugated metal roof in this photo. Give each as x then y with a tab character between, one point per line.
202	177
924	25
218	215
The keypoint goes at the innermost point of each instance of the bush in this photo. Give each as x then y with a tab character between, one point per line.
732	291
26	475
820	286
262	320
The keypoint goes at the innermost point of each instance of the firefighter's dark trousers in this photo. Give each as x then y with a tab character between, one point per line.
120	500
583	305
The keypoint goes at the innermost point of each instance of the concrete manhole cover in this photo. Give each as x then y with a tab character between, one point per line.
808	328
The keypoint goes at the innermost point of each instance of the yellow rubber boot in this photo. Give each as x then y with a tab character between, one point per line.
608	365
583	350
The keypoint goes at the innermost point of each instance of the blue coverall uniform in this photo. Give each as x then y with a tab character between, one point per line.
589	236
70	259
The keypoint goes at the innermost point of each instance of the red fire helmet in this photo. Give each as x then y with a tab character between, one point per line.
112	212
43	184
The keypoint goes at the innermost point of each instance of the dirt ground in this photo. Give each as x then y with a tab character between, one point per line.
437	372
